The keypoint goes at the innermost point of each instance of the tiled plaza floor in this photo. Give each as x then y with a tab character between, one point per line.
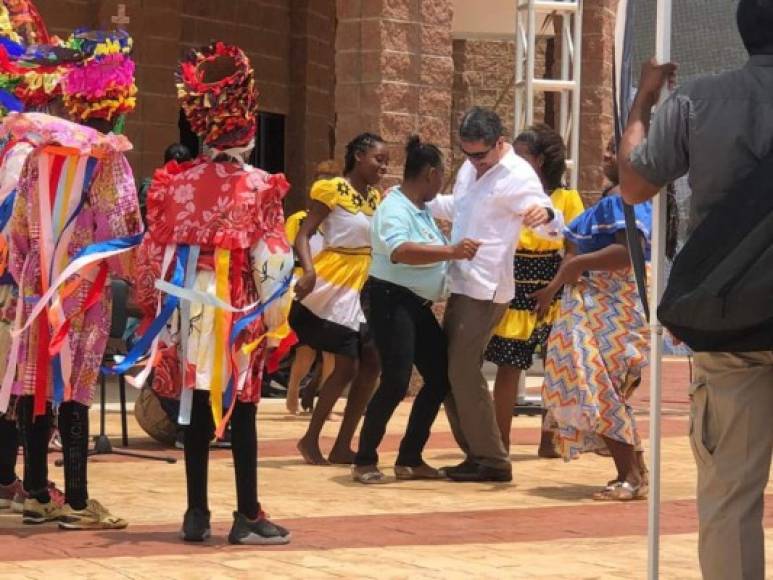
543	525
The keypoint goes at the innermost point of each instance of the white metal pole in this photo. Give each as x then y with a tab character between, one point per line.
663	54
577	78
566	63
531	43
519	56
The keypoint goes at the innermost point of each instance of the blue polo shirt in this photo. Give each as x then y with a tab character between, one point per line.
397	221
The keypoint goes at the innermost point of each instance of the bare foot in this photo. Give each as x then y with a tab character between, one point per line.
311	452
341	456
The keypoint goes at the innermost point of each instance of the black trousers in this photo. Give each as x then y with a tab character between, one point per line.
406	334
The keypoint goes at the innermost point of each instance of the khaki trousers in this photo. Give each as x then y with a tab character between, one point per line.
469	324
731	433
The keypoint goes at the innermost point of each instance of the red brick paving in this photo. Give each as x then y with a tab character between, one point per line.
376	531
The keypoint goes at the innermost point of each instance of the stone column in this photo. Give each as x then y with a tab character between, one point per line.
394	73
312	84
596	109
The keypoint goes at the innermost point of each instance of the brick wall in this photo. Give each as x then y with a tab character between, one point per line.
297	83
394	73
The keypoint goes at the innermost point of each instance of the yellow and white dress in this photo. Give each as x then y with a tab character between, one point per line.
331	316
535	264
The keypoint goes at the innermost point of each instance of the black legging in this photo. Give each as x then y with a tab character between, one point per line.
244	448
9	448
406	334
36	433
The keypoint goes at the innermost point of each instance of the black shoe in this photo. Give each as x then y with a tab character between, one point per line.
466	466
196	526
261	532
481	473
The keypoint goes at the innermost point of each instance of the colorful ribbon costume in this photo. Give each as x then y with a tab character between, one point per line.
213	272
75	218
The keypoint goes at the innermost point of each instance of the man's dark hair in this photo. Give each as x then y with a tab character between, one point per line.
542	140
419	155
479	124
178	152
755	24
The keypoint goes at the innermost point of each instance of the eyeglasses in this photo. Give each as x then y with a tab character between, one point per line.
478	156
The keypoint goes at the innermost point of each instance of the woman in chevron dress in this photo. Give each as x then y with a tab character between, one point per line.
599	345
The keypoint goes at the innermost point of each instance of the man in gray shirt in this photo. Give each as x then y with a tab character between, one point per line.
717	129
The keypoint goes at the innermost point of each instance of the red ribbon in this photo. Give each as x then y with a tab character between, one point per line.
95	293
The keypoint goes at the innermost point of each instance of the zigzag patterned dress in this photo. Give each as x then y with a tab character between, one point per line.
599	344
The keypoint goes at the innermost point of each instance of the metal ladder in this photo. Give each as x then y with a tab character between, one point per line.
527	14
568	84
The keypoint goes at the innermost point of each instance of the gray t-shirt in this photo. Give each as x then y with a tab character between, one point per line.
717	128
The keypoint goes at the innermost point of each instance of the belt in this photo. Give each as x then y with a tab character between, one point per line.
364	251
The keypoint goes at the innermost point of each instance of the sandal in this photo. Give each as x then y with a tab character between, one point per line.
619	491
368	474
422	471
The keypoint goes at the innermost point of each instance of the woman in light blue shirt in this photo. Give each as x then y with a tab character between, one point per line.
407	275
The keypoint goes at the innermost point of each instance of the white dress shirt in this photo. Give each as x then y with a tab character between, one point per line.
490	210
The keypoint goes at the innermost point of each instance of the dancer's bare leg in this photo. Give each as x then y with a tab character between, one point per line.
304	359
359	394
343	373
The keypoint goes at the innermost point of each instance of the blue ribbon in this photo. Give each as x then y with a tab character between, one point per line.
109	246
14	49
6	210
56	367
10	102
142	346
247	320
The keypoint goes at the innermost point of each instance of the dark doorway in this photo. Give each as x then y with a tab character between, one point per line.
269	153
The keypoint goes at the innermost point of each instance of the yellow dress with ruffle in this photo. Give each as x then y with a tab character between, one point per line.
536	261
342	265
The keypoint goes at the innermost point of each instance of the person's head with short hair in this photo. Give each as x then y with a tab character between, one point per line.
327	169
177	152
423	171
545	151
755	24
367	158
481	135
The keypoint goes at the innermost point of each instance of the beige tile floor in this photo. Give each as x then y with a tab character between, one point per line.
541	526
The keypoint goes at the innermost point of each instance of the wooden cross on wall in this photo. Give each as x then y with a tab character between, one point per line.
121	19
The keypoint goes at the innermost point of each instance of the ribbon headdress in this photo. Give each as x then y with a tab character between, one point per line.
102	86
216	89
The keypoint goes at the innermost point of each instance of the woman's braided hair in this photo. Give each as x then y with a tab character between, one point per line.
360	144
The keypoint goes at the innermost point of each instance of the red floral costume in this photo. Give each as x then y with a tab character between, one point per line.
225	208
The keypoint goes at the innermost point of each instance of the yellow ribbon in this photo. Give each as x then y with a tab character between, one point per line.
221	366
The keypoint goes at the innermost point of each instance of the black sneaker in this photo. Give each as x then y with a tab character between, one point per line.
261	532
196	526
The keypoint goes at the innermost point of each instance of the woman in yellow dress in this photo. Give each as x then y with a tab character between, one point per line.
327	314
521	330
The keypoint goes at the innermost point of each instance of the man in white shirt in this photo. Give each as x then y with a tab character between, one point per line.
496	193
